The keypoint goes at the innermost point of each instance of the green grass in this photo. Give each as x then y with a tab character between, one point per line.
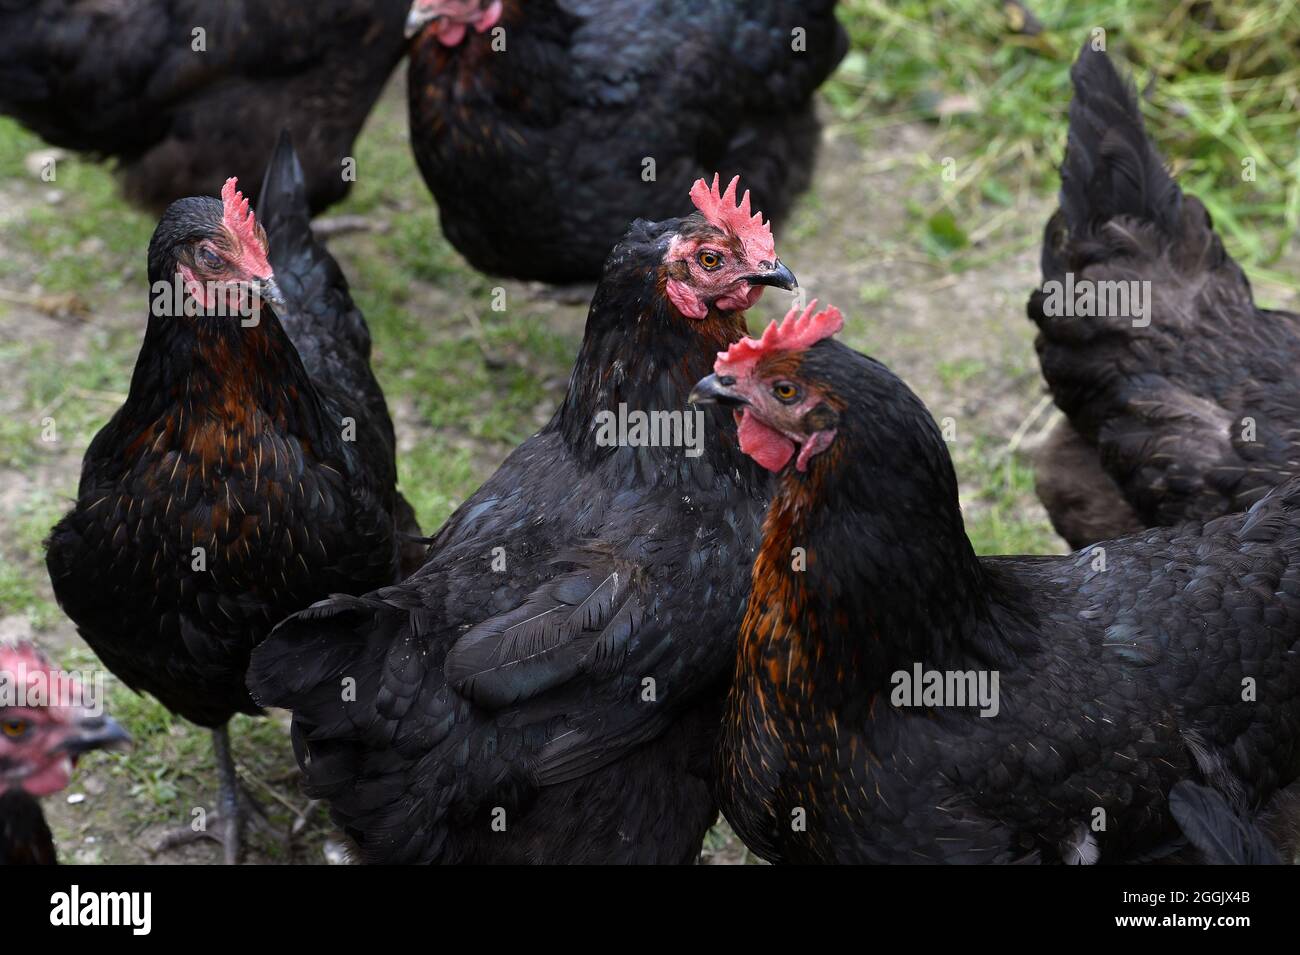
169	770
953	373
998	519
21	594
68	400
22	559
89	239
1224	83
435	480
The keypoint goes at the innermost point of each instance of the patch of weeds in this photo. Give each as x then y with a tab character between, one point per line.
959	371
1219	81
1002	516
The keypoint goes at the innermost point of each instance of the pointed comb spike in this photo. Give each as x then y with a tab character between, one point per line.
796	332
240	222
723	211
22	655
234	207
729	196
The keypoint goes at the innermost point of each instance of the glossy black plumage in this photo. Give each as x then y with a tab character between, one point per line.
269	447
123	80
1219	833
506	681
1120	674
25	837
1191	416
536	155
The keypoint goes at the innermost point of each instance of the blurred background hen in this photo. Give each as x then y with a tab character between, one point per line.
534	139
1189	411
184	94
45	726
542	143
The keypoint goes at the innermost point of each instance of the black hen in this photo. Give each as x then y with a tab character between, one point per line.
250	472
898	699
546	688
126	80
1186	408
536	135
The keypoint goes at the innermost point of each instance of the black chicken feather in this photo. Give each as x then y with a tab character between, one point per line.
1221	835
232	440
575	623
25	837
1191	411
1117	678
537	156
575	690
124	80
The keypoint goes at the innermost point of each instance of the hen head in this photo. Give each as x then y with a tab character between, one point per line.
45	723
722	256
218	250
782	388
452	19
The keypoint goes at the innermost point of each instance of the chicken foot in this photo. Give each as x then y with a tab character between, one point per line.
236	808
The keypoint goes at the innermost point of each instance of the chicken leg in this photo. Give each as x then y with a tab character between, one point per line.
235	807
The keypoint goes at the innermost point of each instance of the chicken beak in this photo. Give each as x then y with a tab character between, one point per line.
268	291
778	277
715	390
95	732
417	19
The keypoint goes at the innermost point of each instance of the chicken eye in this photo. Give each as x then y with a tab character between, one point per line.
785	392
14	729
208	259
709	260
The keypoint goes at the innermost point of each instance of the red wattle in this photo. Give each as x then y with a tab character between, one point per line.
450	33
740	299
767	446
687	302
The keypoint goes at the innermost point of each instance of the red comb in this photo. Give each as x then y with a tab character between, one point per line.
241	224
722	210
21	662
795	332
24	667
23	655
